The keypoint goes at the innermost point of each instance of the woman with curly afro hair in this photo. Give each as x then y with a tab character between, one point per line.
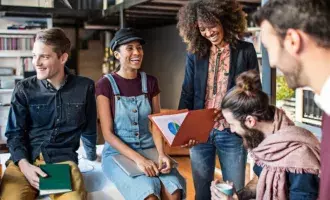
211	29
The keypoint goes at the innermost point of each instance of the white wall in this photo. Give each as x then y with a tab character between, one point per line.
164	58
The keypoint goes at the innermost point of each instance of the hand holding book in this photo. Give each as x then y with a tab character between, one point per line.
58	179
184	127
190	144
218	114
31	172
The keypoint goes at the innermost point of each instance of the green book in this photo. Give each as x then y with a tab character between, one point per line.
58	179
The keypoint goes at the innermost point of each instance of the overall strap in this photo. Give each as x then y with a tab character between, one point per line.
144	82
113	84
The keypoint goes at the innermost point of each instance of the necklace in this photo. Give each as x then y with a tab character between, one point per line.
216	70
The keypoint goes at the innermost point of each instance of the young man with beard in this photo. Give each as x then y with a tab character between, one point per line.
286	156
296	34
49	112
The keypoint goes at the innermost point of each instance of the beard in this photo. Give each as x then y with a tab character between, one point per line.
291	69
252	137
294	78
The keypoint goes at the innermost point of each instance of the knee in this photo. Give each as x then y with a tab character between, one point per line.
71	195
151	197
19	195
176	195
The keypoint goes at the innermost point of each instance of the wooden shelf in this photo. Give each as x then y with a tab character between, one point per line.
15	54
19	32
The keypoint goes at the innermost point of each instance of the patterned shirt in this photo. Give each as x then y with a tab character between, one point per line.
217	81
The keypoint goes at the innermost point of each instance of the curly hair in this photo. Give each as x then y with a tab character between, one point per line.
228	12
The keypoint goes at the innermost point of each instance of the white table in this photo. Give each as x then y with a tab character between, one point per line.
97	185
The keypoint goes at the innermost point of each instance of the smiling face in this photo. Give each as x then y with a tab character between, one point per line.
282	56
251	136
130	55
212	32
46	62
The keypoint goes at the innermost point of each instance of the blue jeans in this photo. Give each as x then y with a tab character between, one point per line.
232	157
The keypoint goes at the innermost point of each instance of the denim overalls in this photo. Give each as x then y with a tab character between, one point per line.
131	125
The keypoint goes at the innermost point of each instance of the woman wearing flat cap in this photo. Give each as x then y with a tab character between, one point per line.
124	100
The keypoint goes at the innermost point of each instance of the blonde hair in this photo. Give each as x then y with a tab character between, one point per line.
56	38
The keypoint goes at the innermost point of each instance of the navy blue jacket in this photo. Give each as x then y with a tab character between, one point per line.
243	57
301	186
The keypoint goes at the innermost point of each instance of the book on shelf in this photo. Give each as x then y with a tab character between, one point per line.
58	179
178	127
16	43
27	64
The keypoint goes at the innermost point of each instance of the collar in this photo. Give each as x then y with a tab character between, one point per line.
215	50
323	99
67	75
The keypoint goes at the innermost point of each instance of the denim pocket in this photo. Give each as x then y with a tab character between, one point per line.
228	141
41	114
75	113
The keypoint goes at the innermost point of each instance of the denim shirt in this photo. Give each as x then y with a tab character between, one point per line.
301	186
49	121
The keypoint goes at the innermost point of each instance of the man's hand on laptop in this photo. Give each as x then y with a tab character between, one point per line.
164	164
148	167
31	172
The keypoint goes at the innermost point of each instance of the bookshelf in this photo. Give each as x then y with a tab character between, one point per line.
252	35
19	32
16	43
15	54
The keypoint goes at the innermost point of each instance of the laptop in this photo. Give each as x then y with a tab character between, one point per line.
130	167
